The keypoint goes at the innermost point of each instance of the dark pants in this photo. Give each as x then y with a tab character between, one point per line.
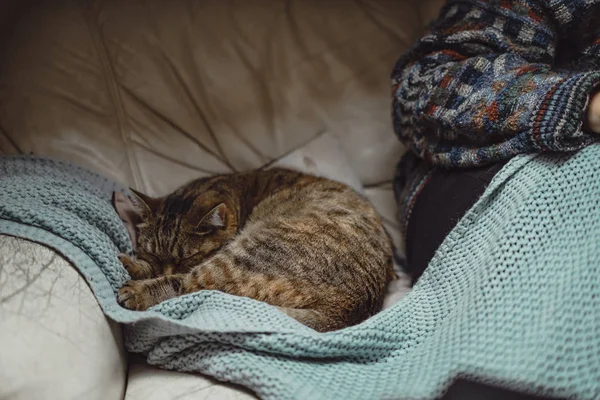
444	200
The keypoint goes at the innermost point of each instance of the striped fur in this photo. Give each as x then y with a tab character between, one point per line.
310	246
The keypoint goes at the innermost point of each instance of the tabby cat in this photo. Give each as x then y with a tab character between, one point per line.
310	246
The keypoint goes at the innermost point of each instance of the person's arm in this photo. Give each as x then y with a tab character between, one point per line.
481	86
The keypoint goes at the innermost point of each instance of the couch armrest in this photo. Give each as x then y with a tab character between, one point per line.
55	342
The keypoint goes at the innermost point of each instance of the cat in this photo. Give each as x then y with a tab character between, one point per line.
310	246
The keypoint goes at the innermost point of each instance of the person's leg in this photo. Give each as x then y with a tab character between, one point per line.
443	200
440	204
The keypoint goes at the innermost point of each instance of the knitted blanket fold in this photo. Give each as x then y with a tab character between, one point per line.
511	298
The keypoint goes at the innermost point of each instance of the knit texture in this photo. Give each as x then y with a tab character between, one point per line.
511	297
492	79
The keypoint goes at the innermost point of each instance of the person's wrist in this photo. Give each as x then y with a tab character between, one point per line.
592	122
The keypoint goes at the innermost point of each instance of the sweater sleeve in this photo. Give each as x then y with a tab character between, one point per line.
483	86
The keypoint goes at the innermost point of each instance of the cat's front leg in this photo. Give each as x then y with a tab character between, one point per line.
141	295
137	269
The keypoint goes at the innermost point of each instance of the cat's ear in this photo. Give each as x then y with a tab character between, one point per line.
133	213
148	203
216	218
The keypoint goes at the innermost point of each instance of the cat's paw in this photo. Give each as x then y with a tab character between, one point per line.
135	295
127	262
135	269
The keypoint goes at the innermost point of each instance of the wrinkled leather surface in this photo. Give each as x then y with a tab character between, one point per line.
154	93
55	343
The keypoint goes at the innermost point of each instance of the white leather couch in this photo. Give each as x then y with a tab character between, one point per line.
154	93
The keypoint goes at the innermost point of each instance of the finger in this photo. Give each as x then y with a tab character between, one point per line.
593	113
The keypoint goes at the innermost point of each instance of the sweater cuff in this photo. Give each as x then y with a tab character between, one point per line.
560	116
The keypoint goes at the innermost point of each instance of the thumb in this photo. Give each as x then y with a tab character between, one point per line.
592	122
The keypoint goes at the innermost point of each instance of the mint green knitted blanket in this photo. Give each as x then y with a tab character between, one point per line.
512	297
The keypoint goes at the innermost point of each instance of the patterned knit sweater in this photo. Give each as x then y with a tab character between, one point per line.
493	79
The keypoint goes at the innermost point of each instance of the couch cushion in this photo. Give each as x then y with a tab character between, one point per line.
323	156
146	382
155	93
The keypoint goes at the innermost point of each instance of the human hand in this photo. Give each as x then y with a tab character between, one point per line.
592	122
